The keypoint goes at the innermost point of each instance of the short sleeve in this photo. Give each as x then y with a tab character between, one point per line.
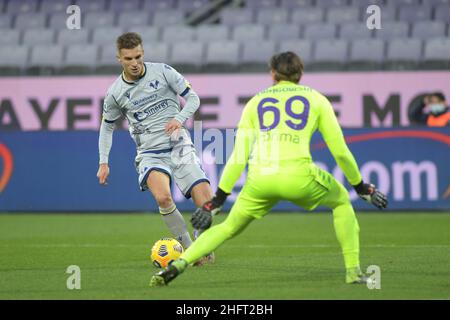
176	81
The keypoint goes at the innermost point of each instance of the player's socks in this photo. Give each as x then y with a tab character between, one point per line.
176	224
347	232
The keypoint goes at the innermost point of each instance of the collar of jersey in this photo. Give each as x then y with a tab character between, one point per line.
284	83
143	75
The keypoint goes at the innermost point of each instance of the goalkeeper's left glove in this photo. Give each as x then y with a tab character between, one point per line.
369	193
202	217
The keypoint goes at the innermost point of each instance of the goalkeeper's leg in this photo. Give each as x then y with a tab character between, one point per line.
207	242
347	230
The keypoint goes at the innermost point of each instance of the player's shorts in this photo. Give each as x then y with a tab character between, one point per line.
306	185
180	163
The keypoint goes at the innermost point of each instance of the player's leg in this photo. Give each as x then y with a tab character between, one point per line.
244	211
201	193
345	224
190	177
159	185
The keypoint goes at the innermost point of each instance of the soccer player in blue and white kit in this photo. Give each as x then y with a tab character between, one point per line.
147	95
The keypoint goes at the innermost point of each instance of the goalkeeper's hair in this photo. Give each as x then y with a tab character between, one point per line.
287	66
128	40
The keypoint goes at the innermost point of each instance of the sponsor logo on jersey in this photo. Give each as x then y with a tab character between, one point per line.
147	99
142	115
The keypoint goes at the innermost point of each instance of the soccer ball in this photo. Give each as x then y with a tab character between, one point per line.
165	251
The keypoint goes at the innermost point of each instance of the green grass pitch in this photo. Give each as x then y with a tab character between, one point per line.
283	256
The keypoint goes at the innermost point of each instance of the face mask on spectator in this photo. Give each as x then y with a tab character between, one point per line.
437	108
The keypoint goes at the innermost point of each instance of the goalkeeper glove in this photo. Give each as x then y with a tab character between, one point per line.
202	217
368	192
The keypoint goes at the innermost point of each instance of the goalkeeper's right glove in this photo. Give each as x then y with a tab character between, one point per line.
368	192
202	217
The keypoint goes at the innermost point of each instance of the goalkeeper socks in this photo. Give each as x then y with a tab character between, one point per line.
347	232
176	224
180	264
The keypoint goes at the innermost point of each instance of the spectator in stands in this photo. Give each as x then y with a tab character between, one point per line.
433	111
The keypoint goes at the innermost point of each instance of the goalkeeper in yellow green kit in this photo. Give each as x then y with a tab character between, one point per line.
273	138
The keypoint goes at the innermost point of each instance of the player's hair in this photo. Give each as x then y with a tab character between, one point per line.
438	95
128	40
287	66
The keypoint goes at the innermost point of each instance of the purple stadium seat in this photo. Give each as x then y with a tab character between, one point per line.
414	13
81	55
256	55
271	17
92	6
157	52
133	18
442	13
222	52
341	15
301	47
57	20
261	3
354	30
67	36
14	57
168	17
366	3
437	2
391	30
255	52
52	6
233	17
188	53
21	6
38	36
306	16
5	21
30	21
149	34
291	4
428	29
154	5
331	3
320	31
366	53
437	49
284	32
404	49
98	20
206	32
108	55
177	33
9	37
248	32
329	55
128	5
106	35
193	5
45	56
404	3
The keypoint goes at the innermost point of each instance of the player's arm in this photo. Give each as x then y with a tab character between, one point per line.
111	113
245	137
183	88
334	138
